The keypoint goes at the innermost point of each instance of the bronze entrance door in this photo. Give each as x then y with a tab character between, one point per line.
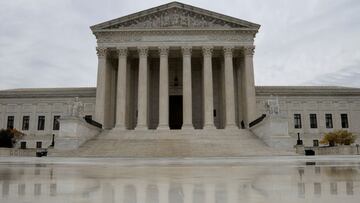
175	112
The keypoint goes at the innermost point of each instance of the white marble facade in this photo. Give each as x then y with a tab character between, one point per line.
179	67
175	66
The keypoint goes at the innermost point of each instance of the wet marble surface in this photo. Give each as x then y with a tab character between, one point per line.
181	181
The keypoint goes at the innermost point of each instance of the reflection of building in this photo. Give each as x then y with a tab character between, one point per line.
191	184
180	67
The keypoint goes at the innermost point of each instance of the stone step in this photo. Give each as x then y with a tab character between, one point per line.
149	144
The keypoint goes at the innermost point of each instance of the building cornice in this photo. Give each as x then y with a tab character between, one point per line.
48	92
306	91
260	91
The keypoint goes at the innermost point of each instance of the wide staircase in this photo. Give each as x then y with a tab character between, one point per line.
173	143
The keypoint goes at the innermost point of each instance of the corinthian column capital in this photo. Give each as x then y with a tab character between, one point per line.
207	50
101	52
122	51
186	50
143	51
249	51
228	51
164	51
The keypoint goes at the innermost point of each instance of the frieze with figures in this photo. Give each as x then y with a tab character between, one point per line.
175	17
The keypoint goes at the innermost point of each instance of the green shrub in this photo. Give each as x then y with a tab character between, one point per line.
341	137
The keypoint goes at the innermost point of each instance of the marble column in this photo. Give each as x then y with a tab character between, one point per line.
141	192
142	119
210	193
229	88
163	192
119	192
187	89
188	190
164	88
208	88
232	192
121	89
101	85
249	86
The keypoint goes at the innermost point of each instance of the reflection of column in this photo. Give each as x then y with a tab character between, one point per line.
164	88
188	190
142	121
249	85
140	192
208	89
101	85
229	88
210	193
121	89
163	192
187	92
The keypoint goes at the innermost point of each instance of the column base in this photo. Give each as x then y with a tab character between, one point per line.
163	127
187	127
209	127
141	127
120	127
231	127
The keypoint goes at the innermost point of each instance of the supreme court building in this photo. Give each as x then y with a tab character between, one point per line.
175	66
178	68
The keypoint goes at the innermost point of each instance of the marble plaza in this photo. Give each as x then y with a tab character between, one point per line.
177	80
251	179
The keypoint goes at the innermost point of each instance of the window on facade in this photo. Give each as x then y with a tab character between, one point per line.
23	145
10	122
41	123
56	123
297	120
328	120
37	189
313	121
344	120
25	123
38	145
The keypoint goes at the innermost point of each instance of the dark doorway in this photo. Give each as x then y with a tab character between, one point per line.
175	112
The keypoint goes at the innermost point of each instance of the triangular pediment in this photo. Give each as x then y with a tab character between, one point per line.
175	15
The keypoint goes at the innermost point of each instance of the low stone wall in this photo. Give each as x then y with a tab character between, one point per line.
4	152
336	150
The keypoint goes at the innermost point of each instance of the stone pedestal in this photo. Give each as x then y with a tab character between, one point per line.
273	130
74	131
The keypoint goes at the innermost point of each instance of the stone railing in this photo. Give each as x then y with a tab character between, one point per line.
258	120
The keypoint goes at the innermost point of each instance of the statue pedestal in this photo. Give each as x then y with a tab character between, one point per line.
273	130
74	131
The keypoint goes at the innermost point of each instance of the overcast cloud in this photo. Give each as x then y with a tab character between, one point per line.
48	43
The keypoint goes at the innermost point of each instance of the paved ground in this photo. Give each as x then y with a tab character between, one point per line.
191	180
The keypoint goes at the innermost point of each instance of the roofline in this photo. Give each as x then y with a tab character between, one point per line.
260	91
138	14
49	92
307	91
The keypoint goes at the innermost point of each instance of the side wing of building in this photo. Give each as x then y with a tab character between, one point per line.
34	111
314	110
311	111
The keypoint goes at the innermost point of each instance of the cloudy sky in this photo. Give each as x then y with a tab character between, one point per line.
48	43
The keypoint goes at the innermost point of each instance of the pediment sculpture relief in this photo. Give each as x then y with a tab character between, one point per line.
175	18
